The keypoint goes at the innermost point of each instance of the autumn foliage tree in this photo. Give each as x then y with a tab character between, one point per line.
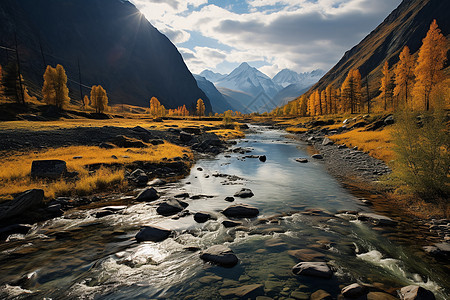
431	59
85	102
99	99
351	91
404	77
54	90
200	107
387	86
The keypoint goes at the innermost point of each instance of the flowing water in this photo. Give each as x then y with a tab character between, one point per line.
79	256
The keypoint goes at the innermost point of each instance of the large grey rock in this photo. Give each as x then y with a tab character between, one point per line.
147	195
244	193
354	290
139	177
315	269
220	255
171	207
22	203
153	234
415	292
241	211
48	169
377	219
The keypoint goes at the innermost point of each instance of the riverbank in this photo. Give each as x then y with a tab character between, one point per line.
97	161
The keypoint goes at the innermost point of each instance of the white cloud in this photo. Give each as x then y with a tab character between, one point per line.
298	34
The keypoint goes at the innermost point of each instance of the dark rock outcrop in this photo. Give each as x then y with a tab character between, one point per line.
48	169
244	193
23	202
147	195
171	207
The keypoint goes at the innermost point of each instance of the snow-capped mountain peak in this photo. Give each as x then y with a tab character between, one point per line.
212	76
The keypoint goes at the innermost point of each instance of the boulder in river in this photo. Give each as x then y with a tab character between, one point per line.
229	199
21	203
315	269
202	217
244	193
317	156
157	182
171	207
147	195
220	255
262	158
415	292
48	169
377	219
354	290
153	234
241	211
301	160
230	223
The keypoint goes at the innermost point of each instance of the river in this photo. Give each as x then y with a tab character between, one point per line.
79	256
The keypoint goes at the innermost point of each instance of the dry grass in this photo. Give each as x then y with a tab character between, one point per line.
377	144
15	168
296	130
144	121
228	134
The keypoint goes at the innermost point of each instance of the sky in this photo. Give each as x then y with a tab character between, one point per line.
301	35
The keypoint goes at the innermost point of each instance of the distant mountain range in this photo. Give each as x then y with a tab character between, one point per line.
115	45
253	91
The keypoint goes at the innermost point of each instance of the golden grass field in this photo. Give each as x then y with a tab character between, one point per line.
15	168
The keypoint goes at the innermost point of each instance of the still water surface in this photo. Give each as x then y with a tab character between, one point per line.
81	257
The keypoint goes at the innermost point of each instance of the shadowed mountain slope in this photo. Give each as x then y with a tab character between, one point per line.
115	45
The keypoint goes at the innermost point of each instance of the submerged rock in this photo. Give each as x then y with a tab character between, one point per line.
241	211
320	295
315	269
152	233
244	193
246	291
148	195
415	292
13	229
220	255
171	207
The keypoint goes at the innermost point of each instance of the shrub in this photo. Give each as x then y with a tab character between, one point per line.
421	145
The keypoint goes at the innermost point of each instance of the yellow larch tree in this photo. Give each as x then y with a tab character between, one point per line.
99	99
303	106
431	59
154	106
386	87
351	91
200	107
54	90
85	102
404	77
